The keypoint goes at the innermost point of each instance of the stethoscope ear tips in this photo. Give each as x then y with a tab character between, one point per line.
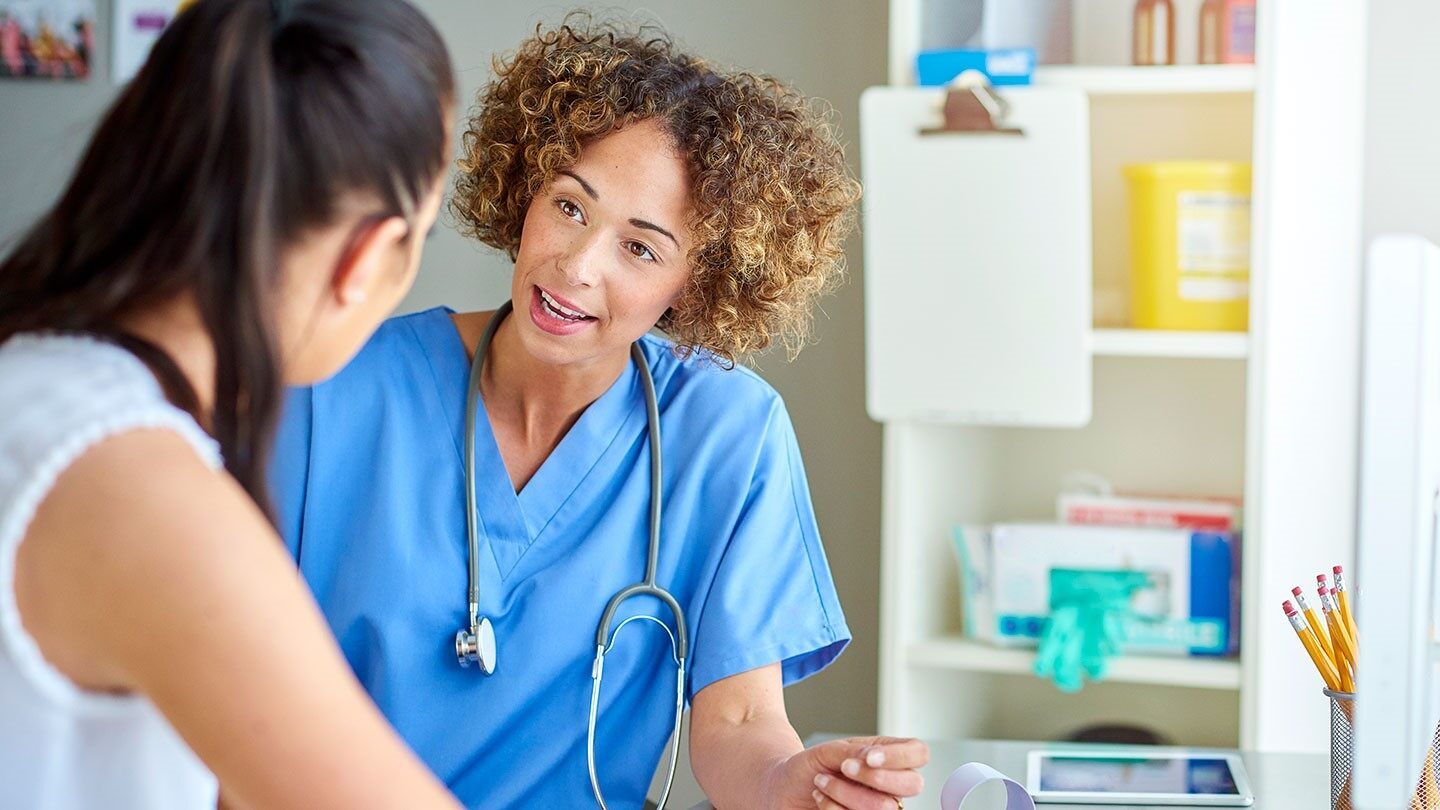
477	646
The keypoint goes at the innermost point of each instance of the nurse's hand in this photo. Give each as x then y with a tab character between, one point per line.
860	773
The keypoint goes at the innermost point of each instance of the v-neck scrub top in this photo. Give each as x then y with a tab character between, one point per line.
369	485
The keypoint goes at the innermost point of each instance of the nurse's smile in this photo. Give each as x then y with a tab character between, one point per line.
555	315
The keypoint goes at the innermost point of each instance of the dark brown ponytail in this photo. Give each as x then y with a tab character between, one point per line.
246	126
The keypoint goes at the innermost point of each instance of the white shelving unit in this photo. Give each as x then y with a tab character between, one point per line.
1169	80
960	654
1152	343
1267	415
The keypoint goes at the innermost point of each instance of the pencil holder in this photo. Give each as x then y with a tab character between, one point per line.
1342	747
1342	758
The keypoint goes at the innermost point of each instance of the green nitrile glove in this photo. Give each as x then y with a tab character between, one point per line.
1088	610
1059	655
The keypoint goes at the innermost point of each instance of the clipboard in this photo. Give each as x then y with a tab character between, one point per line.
977	254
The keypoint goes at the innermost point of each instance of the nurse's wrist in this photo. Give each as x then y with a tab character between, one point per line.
773	782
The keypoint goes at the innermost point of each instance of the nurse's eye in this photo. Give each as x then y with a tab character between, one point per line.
641	251
570	209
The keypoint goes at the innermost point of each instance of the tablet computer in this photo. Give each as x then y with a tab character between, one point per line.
1149	776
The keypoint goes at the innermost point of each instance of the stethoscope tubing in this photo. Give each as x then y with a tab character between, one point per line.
646	587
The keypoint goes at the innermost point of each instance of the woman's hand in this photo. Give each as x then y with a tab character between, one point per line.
859	773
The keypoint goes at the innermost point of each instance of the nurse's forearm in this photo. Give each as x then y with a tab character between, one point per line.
739	736
741	763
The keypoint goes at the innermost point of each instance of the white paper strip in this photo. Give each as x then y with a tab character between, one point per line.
967	777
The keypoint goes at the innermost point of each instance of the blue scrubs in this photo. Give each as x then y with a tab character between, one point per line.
370	491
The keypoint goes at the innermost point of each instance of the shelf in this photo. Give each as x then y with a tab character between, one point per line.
972	656
1154	343
1156	80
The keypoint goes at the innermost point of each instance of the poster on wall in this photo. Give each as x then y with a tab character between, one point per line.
138	23
46	39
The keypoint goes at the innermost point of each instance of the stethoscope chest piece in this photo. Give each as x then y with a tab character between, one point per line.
476	645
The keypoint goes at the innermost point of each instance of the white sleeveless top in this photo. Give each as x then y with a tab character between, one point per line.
63	748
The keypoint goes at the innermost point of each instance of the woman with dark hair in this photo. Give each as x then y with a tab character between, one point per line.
251	206
620	479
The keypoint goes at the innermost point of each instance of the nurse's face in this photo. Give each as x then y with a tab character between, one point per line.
604	250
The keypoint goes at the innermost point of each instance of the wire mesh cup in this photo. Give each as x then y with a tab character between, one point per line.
1342	758
1342	747
1427	790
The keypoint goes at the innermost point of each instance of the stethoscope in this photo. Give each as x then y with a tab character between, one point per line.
476	644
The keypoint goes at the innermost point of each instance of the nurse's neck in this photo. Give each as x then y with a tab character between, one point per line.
532	404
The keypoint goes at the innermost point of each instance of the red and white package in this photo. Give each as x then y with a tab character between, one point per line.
1209	514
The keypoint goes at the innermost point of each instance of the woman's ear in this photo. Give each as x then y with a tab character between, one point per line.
369	263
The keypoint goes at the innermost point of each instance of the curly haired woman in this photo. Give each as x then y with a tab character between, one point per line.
635	188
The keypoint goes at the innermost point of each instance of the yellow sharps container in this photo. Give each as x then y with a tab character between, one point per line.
1190	245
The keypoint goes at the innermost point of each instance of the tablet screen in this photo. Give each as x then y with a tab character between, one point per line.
1184	776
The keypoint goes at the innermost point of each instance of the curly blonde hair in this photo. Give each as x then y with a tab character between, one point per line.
773	199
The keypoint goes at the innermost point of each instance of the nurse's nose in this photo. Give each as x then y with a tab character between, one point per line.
581	263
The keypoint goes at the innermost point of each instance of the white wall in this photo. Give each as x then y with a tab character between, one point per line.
1402	153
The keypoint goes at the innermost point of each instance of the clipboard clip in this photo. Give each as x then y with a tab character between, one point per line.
972	107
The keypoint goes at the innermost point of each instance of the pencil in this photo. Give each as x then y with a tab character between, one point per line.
1345	611
1339	635
1343	663
1327	669
1319	627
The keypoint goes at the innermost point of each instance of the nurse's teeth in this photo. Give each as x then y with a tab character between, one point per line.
555	305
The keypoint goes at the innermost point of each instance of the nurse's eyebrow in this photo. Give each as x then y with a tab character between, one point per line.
650	226
589	189
639	223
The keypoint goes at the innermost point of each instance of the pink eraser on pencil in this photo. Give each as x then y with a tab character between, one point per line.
1338	570
1289	608
1296	590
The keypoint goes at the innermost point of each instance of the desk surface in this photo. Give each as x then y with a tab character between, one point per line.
1280	781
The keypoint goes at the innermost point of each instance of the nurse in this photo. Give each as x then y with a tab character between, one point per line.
635	188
